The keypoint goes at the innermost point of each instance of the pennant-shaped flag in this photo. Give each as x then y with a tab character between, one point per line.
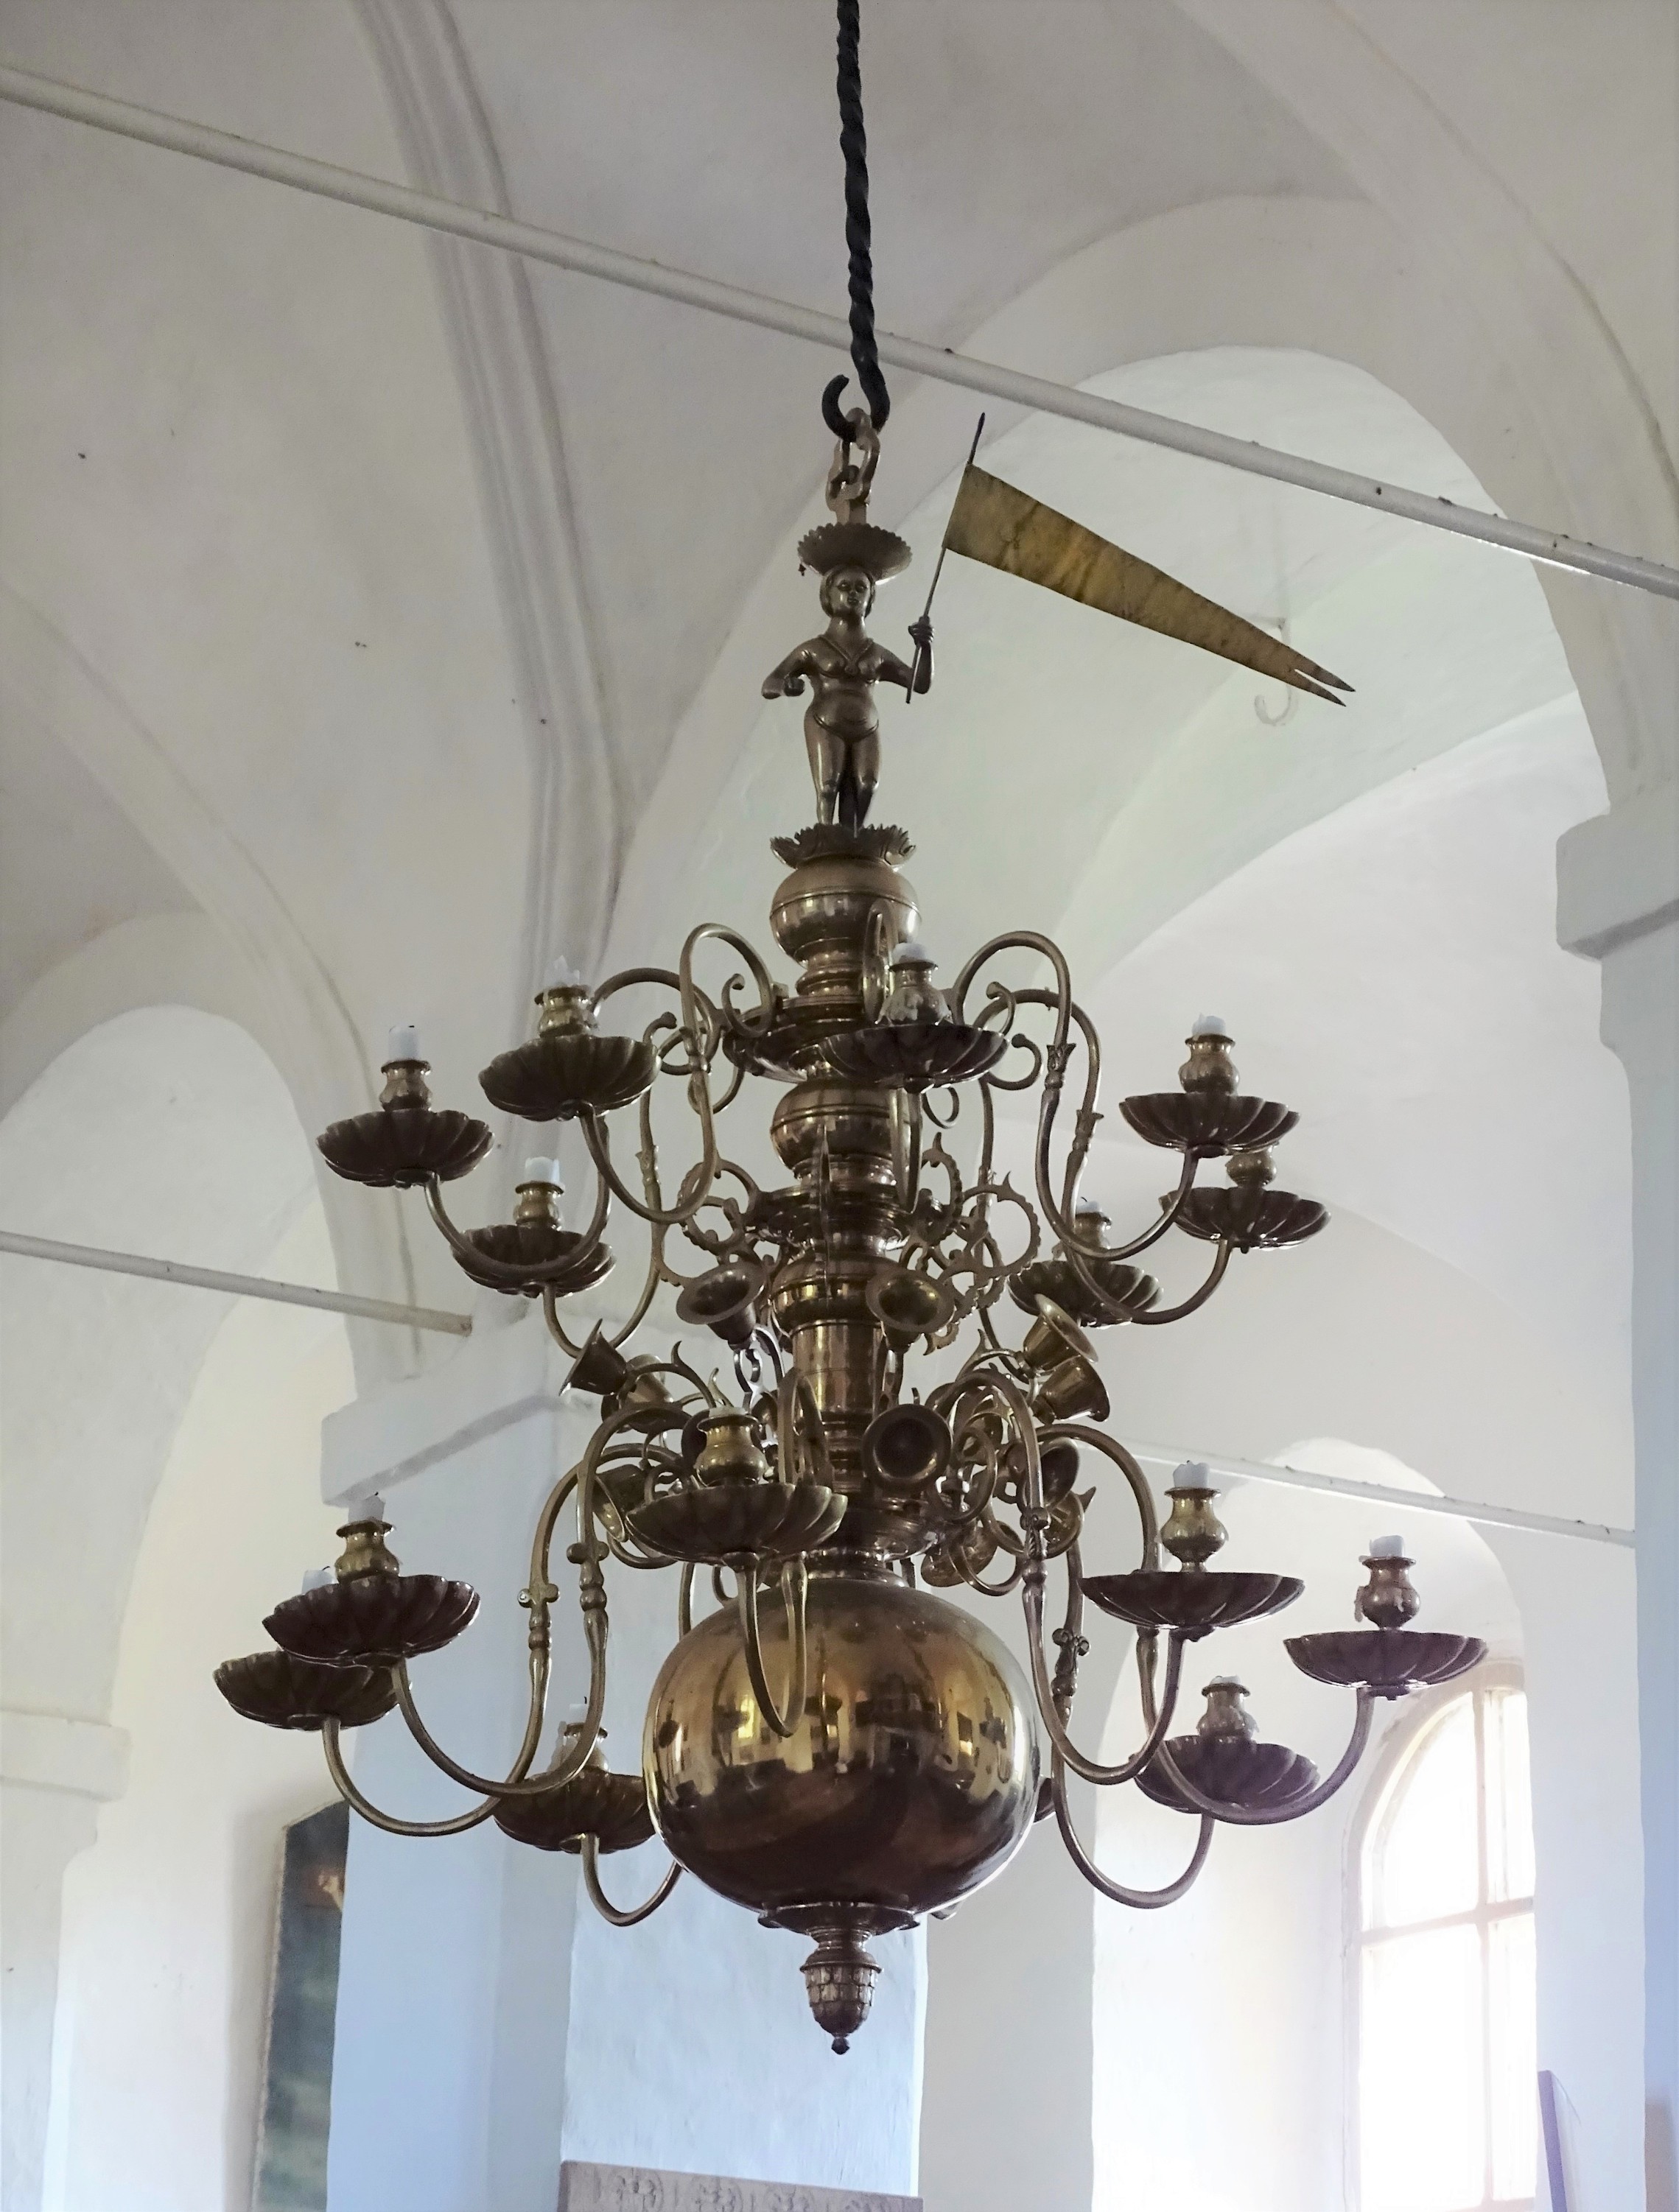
994	523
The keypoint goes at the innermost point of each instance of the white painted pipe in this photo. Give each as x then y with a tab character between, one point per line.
354	189
1163	1456
241	1286
1382	1493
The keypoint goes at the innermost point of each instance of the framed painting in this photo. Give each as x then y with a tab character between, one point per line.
302	2007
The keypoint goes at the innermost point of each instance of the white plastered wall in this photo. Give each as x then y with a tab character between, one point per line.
169	1918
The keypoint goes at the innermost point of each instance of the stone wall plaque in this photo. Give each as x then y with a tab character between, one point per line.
639	2189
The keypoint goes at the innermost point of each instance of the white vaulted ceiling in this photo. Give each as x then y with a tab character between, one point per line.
391	616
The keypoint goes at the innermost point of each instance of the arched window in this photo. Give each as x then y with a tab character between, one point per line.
1447	2086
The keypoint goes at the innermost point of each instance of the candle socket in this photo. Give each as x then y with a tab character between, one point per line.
1209	1066
540	1202
1387	1600
731	1451
1193	1531
1226	1715
915	997
567	1010
1251	1170
406	1083
365	1552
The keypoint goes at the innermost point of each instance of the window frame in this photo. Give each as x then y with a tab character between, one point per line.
1420	1711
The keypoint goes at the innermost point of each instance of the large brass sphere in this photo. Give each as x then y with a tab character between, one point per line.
910	1779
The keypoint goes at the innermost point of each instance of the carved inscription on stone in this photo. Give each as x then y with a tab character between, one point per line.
639	2189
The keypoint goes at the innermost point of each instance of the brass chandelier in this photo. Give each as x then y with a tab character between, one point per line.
836	1745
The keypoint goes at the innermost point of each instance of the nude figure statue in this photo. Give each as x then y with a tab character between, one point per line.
842	667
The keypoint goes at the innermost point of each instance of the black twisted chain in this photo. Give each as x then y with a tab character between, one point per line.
854	146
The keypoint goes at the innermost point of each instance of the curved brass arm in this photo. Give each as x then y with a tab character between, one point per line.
351	1795
1156	1723
1143	1900
1244	1816
498	1271
1198	1298
798	1423
794	1582
1079	1252
1081	1432
699	1178
551	1298
603	1906
571	1759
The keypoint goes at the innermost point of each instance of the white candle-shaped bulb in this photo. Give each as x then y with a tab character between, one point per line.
1386	1547
319	1579
370	1508
403	1043
541	1171
1210	1025
912	953
562	975
1192	1475
1087	1205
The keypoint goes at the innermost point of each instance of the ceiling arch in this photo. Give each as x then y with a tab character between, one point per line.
163	1130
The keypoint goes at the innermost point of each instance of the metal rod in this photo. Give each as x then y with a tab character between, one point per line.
241	1286
354	189
1381	1494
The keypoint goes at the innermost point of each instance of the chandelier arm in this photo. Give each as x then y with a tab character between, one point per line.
538	1596
1060	1219
498	1271
700	1177
650	1282
794	1582
1070	1637
905	1109
1167	1218
464	1775
627	978
1022	940
1199	1298
764	1012
519	1782
799	1421
1105	1777
389	1821
551	1316
603	1906
1034	1517
1004	1588
1294	1808
1081	1432
1120	1894
988	1139
684	1600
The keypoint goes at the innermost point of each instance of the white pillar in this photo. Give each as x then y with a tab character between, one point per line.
54	1775
1618	882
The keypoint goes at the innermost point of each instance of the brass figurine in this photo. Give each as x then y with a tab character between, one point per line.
843	664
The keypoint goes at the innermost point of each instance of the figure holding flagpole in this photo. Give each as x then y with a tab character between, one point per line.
843	664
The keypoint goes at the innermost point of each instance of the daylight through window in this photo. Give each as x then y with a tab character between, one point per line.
1447	2119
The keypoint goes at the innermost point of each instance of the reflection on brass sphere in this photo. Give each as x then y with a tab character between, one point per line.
911	1779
